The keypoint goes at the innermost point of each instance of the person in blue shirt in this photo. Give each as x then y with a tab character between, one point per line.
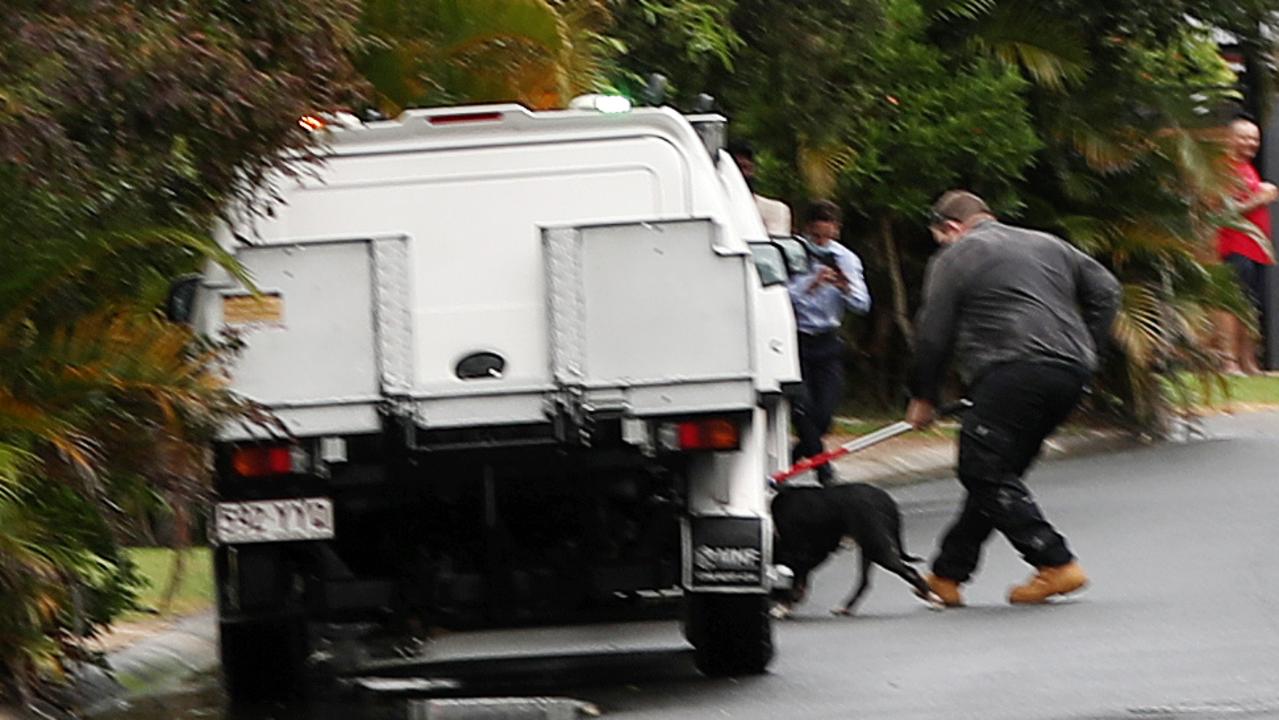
832	286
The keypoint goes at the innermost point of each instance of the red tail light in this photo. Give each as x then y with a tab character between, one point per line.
260	461
711	434
459	118
312	123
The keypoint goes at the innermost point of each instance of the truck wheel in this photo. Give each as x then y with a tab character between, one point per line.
730	634
263	659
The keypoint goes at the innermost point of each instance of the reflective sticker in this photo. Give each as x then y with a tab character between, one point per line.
266	309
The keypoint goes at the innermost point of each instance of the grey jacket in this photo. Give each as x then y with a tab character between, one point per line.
1004	294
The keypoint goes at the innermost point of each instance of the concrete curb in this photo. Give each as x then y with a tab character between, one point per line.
937	461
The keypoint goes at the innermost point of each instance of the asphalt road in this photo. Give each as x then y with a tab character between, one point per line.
1181	541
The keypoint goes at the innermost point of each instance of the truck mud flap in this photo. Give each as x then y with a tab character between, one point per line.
727	554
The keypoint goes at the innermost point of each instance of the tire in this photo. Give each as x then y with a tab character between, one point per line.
263	659
731	634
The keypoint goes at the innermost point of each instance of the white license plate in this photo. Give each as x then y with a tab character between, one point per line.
273	520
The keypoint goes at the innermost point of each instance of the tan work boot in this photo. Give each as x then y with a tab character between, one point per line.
945	590
1049	581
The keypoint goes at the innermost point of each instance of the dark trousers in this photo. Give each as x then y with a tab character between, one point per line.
1252	278
1015	406
821	361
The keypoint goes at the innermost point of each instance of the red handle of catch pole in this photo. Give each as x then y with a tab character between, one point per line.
885	433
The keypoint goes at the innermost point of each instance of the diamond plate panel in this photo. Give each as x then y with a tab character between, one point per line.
393	316
567	312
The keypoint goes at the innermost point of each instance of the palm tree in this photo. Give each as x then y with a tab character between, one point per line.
99	396
125	127
1131	172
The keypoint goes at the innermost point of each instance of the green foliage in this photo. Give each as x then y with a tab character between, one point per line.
1092	120
840	90
442	52
943	121
1131	171
1022	35
700	30
124	128
194	590
1153	23
1159	176
690	42
161	108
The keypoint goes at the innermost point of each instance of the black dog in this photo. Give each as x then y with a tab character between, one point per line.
811	522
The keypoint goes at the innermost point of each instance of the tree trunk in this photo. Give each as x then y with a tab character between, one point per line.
892	258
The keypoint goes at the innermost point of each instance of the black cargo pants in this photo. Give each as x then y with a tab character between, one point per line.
821	361
1015	406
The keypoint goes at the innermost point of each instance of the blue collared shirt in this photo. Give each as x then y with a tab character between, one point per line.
821	310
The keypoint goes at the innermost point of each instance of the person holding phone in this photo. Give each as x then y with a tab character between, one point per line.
833	286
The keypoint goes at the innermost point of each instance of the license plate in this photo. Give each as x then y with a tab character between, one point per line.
274	520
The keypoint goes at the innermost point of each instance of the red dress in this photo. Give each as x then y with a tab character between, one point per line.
1233	242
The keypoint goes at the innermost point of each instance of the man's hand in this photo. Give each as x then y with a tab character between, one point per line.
823	276
920	414
1267	193
841	281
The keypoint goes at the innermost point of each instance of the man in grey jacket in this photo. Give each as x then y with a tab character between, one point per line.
1026	315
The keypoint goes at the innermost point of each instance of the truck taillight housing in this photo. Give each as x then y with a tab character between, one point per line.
706	434
462	118
264	460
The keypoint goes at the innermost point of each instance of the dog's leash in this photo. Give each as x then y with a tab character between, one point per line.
900	427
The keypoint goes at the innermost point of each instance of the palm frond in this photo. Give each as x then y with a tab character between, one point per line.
14	463
961	9
1201	157
1023	35
1139	326
1106	151
1091	234
820	164
52	265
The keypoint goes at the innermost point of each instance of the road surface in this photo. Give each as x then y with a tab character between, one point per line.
1181	541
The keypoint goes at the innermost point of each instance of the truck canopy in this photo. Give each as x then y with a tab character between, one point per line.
477	266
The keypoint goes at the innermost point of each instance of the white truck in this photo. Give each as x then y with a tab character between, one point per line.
533	369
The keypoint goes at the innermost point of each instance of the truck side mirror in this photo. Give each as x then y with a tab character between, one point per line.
180	305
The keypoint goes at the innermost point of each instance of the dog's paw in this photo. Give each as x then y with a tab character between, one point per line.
933	600
841	611
780	612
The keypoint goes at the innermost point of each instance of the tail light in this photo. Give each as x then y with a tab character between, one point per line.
312	123
462	118
263	460
703	434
